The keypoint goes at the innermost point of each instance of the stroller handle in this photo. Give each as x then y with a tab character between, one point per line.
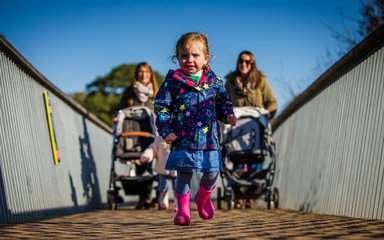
137	134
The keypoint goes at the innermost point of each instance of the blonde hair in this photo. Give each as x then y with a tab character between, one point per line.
187	39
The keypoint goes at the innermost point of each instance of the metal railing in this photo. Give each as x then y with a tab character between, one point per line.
330	139
32	186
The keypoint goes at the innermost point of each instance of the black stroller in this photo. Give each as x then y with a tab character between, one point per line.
134	131
249	142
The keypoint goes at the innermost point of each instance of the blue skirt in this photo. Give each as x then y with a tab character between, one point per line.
195	161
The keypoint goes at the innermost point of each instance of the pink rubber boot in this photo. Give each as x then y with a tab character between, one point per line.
183	215
204	204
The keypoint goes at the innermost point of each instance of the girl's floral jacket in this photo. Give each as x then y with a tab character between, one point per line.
191	110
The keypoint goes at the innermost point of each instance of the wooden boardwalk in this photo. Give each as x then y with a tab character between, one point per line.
255	223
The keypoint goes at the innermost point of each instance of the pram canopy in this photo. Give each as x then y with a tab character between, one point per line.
134	132
248	140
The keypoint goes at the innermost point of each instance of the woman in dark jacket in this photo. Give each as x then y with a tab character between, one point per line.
141	92
143	89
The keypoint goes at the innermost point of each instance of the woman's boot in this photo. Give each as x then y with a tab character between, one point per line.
204	204
183	215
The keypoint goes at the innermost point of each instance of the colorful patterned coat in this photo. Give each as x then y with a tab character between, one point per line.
191	110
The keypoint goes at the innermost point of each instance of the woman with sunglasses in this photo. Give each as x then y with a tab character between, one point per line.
247	86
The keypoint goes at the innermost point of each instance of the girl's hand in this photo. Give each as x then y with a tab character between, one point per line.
170	138
173	173
232	119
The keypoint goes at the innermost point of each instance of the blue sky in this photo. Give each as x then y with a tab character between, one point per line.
71	42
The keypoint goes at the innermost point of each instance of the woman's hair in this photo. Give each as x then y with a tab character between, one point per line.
253	75
187	39
153	77
131	97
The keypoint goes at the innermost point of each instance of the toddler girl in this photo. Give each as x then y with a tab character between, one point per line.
188	106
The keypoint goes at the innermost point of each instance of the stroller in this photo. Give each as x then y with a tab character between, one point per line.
134	131
249	142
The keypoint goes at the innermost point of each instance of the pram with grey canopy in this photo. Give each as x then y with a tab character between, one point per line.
249	142
134	130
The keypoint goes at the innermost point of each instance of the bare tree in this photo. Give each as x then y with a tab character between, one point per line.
371	16
372	13
353	30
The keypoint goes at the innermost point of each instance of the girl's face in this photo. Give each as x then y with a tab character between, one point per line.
244	64
193	59
144	75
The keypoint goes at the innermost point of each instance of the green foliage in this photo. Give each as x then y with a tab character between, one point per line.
114	82
103	94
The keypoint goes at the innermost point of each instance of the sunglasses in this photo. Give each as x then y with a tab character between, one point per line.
241	61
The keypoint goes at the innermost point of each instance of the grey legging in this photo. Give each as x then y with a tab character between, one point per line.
183	181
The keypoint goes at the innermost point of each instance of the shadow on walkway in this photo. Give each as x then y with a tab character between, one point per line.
256	223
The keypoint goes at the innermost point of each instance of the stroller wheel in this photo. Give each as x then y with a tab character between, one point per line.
219	197
112	201
114	206
273	199
276	197
230	204
229	197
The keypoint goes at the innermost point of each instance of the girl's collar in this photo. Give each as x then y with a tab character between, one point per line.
181	76
198	74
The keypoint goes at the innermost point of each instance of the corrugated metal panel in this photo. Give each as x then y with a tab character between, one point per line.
31	185
330	148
